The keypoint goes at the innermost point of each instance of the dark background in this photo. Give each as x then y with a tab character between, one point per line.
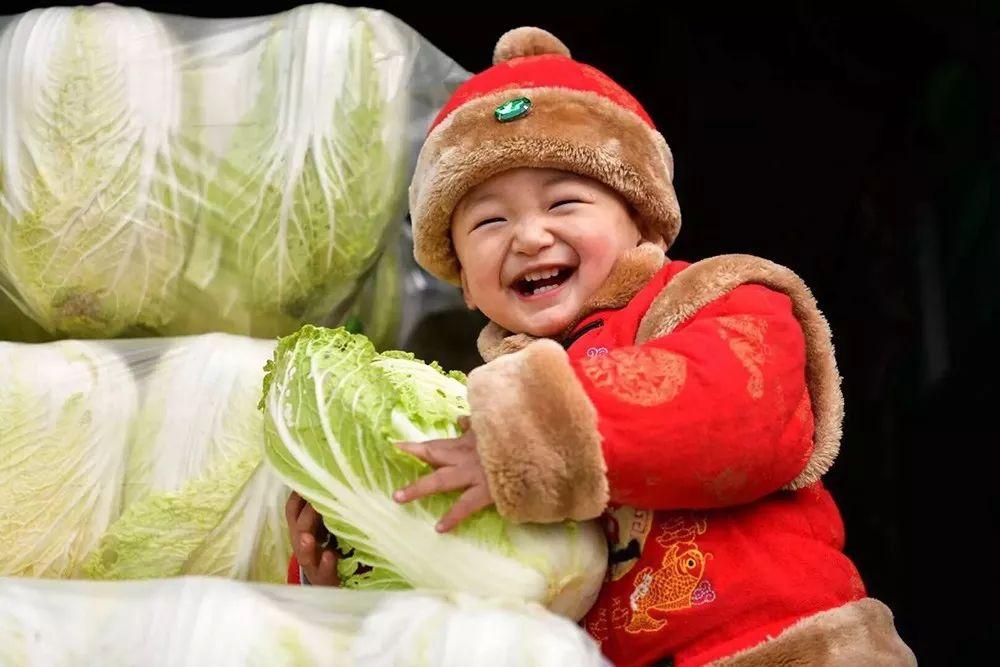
859	148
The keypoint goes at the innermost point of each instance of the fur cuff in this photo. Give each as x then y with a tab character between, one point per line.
538	437
860	633
494	341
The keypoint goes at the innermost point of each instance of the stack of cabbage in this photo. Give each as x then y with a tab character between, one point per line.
136	459
156	458
145	458
164	176
168	175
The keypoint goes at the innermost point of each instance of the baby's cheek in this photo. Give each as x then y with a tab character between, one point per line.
483	284
595	272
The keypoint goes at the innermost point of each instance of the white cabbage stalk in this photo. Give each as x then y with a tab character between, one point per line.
199	409
210	621
335	408
308	149
65	413
93	228
198	497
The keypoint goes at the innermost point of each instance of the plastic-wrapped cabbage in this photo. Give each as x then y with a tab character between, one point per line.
377	310
198	498
65	413
207	621
253	170
334	409
95	213
309	173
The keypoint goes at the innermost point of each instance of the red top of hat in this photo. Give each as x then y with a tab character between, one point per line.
552	69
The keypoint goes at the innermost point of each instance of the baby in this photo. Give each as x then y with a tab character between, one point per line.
692	408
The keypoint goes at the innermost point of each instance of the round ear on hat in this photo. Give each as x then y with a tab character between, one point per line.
527	41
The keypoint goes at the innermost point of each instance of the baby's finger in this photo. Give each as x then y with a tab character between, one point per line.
326	573
292	508
308	520
442	479
438	453
473	500
307	551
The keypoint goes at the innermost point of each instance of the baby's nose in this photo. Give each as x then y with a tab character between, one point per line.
532	236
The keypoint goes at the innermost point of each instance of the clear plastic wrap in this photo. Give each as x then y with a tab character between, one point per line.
166	175
138	458
202	621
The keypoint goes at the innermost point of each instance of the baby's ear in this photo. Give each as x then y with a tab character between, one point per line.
647	235
466	294
659	241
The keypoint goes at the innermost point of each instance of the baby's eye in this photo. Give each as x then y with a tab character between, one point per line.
564	202
487	221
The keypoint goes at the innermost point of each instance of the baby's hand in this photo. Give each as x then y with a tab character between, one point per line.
309	535
458	467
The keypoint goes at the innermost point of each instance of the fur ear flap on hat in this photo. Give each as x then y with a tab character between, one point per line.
537	107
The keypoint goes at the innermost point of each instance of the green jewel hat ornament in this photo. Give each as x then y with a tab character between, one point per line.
513	109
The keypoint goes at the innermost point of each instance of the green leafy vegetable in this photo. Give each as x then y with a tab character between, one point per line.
95	216
65	413
334	409
198	497
313	173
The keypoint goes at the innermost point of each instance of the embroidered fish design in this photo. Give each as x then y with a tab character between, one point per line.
667	588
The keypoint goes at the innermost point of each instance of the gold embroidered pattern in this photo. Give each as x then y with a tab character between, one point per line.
803	409
598	627
673	585
681	529
745	335
779	399
639	376
619	614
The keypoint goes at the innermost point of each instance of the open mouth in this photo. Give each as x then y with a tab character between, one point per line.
542	281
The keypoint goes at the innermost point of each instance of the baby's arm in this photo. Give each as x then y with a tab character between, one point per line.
714	413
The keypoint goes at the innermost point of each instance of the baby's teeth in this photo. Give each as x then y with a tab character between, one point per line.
542	275
546	288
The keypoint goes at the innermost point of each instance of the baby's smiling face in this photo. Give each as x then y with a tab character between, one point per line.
535	244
